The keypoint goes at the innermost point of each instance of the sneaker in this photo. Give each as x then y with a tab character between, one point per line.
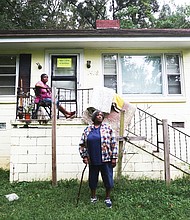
93	200
108	203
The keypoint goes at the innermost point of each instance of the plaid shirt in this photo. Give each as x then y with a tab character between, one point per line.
108	142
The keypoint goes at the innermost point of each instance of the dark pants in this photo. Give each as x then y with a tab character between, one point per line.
106	171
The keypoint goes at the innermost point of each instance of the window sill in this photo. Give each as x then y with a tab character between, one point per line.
155	99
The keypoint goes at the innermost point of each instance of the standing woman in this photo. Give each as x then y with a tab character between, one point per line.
98	149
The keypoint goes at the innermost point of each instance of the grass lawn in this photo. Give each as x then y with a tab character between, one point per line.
132	199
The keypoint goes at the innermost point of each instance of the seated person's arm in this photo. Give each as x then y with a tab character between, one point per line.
40	85
40	88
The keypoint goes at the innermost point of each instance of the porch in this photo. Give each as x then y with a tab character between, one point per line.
31	147
71	99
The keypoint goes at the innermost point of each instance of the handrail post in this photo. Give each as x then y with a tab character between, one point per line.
54	167
166	151
120	154
157	135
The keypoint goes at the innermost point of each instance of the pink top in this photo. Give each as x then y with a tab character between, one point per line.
45	91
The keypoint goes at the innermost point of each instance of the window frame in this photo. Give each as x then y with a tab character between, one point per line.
117	69
172	74
164	95
16	75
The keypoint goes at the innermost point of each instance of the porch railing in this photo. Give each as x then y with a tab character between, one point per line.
150	128
72	100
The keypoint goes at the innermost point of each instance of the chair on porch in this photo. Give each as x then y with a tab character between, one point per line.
40	103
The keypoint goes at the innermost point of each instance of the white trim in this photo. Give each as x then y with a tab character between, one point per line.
95	39
154	99
164	96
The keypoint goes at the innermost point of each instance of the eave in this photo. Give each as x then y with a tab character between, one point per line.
103	38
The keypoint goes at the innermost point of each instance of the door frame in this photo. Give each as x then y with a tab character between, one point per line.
70	52
79	53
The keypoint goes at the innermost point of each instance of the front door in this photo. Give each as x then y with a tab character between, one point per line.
64	71
64	76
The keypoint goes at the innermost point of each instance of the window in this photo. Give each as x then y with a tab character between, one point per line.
178	124
2	125
173	74
143	74
7	74
110	71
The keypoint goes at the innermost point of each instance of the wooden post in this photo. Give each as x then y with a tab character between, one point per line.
166	152
120	153
54	170
21	95
20	109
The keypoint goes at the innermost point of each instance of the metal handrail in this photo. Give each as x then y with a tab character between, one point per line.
71	99
150	127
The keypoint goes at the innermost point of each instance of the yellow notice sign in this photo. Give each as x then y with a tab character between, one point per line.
64	62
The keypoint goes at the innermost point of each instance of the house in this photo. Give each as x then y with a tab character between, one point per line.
147	67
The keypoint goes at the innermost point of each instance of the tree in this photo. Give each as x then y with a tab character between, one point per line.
34	14
177	19
21	14
86	13
136	13
51	14
82	14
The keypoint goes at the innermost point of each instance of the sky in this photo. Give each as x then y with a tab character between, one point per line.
177	2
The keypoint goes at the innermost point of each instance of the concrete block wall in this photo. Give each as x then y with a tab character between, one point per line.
5	146
7	112
139	164
31	155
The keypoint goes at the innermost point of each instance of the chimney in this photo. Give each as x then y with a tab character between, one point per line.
107	24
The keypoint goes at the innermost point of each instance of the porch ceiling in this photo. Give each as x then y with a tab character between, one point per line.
98	43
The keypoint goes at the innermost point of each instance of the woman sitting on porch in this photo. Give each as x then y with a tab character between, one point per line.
43	92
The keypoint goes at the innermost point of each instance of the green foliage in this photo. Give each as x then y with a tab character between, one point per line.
132	199
86	12
137	13
50	14
176	19
75	14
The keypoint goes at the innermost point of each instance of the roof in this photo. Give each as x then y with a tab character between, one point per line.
96	38
97	33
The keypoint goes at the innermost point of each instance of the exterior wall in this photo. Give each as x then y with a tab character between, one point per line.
7	112
31	157
173	110
8	106
137	163
5	148
31	150
37	57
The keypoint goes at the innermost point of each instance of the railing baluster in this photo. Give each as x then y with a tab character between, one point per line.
180	146
157	134
140	124
82	100
145	124
186	149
